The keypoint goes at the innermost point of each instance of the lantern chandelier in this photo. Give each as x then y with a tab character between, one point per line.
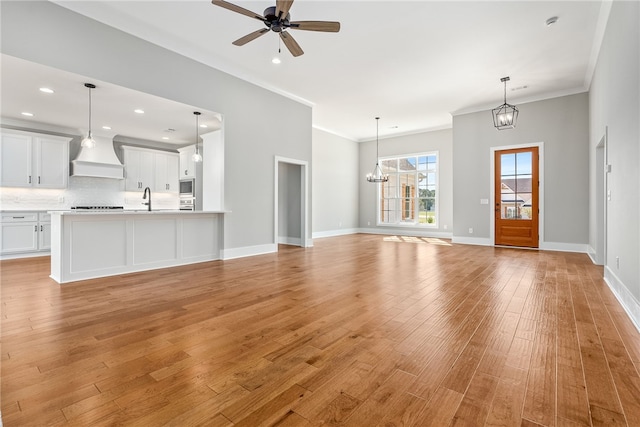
377	175
506	115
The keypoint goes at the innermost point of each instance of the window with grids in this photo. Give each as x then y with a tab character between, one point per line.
410	195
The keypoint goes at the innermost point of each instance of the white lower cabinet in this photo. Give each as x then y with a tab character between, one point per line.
25	233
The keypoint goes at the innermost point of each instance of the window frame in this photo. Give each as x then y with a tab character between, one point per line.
416	198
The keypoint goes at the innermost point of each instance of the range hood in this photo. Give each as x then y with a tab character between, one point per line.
98	162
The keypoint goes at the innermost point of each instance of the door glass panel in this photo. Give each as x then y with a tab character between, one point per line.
516	185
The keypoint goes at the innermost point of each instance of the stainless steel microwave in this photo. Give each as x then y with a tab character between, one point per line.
187	187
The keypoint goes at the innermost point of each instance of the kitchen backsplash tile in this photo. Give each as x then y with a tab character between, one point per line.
82	191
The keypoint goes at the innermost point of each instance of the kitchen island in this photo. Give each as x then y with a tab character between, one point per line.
87	245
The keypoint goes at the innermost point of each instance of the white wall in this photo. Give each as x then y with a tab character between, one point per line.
439	141
615	105
561	124
45	33
335	184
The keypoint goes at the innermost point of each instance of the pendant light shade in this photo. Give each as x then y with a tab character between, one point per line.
88	141
377	175
197	157
506	115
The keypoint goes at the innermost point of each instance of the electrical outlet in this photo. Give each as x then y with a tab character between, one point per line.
340	224
368	222
470	230
60	199
445	226
618	262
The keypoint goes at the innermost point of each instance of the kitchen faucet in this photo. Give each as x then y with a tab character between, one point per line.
144	196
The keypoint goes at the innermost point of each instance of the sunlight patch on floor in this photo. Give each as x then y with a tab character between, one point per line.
413	239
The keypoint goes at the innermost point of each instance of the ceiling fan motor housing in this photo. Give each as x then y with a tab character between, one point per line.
273	22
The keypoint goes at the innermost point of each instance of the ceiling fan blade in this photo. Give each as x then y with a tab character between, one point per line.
238	9
252	36
282	8
328	26
291	44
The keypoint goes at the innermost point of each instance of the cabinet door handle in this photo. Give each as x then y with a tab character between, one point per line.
41	228
17	217
185	172
38	179
29	179
35	228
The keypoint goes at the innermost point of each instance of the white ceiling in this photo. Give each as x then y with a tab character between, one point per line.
67	109
412	63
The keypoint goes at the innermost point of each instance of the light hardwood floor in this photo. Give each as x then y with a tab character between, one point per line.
359	330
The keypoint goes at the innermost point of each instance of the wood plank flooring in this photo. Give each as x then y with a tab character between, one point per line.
359	330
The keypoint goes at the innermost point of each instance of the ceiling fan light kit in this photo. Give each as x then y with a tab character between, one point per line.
277	19
505	115
377	175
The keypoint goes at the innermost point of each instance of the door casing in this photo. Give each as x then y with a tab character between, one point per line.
492	195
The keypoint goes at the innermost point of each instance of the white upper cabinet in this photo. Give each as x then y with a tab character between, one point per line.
139	168
34	160
187	165
166	172
155	169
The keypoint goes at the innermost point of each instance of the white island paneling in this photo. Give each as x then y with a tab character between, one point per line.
86	245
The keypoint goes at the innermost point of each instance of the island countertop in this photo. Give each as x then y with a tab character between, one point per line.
133	212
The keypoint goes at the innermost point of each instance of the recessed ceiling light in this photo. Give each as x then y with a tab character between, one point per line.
46	90
138	111
165	137
204	126
26	113
552	21
276	60
106	127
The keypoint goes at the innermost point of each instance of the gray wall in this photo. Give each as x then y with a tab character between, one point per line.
45	33
615	105
562	125
335	184
440	141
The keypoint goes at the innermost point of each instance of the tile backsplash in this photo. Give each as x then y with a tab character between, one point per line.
81	191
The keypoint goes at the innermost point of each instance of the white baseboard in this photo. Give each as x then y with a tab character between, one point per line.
407	232
564	247
480	241
24	255
248	251
284	240
334	233
622	294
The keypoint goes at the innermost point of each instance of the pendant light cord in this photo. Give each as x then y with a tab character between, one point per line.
505	91
89	112
377	148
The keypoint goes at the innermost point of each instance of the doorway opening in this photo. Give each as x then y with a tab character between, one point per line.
516	197
291	202
600	248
